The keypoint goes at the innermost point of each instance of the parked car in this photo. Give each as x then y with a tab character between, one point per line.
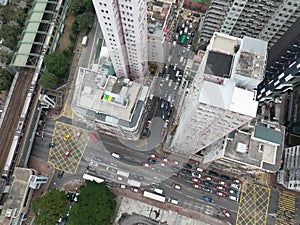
208	178
60	174
147	165
152	156
176	186
67	153
226	213
197	186
221	194
223	183
135	189
196	180
207	199
236	181
207	189
219	187
194	174
123	186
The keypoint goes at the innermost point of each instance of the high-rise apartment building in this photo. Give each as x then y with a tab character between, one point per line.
263	19
124	27
283	68
222	96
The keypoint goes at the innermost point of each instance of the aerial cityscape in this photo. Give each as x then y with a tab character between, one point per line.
151	112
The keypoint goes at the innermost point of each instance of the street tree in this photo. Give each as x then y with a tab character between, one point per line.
48	80
5	79
57	64
50	207
96	205
10	34
83	22
80	6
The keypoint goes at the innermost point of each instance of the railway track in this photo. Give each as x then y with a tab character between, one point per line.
14	110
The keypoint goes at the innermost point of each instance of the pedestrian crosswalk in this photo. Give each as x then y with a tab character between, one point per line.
286	209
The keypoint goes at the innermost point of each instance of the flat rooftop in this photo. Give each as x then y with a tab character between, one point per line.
17	194
109	98
224	44
263	151
157	12
218	64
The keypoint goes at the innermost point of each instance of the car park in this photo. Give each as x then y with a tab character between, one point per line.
135	189
194	174
196	180
221	188
67	153
176	186
196	186
221	194
223	183
209	178
123	186
226	213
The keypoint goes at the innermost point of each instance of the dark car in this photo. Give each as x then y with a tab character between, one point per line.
175	168
213	173
207	189
186	165
152	161
223	177
72	197
207	183
193	33
51	145
137	177
60	174
186	171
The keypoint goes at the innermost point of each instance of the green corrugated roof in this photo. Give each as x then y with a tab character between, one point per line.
268	134
21	56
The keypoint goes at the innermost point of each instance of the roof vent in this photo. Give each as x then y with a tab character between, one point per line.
241	148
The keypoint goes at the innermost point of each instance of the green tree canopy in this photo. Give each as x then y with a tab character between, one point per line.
48	80
5	79
95	206
80	6
83	22
50	207
12	13
57	64
10	34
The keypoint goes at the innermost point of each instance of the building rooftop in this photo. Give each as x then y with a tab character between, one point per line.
224	43
17	194
157	12
108	98
218	64
256	147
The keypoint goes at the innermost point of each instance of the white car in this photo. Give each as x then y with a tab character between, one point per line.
234	198
176	186
198	169
236	186
194	174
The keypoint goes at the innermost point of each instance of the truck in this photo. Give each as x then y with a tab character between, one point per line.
85	40
134	183
123	174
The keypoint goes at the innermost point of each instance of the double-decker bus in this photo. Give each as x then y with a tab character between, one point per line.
183	39
154	196
92	178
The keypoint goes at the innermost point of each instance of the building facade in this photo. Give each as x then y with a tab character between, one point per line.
266	20
289	175
124	27
222	96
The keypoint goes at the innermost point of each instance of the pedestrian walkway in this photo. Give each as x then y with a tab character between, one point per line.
286	209
254	203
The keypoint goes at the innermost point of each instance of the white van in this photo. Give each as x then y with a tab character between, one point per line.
115	155
173	201
158	191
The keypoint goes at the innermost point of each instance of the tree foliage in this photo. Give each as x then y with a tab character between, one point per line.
80	6
58	64
10	34
12	13
95	206
50	207
48	80
5	79
83	22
